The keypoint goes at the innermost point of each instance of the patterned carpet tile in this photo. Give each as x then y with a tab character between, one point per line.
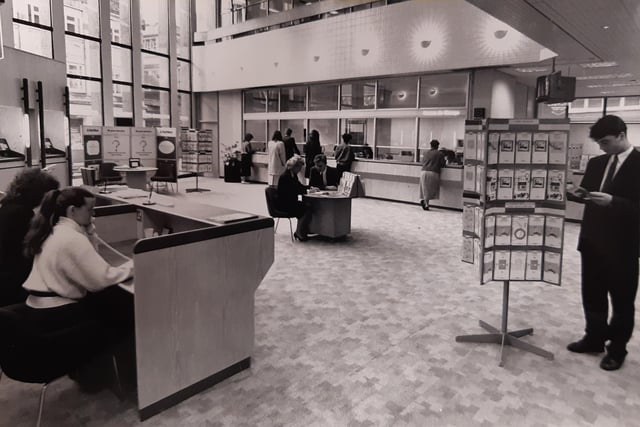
362	333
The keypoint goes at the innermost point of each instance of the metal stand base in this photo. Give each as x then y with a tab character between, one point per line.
196	190
504	337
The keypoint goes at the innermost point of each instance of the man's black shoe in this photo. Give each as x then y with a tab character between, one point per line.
610	363
586	346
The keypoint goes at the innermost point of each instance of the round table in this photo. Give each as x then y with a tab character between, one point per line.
136	177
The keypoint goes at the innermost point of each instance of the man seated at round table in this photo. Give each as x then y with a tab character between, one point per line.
322	176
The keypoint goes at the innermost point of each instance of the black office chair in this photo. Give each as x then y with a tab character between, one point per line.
106	175
30	356
167	173
271	194
88	176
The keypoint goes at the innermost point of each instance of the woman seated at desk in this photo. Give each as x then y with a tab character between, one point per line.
323	177
289	188
68	273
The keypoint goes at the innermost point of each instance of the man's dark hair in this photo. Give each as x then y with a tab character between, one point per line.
434	143
607	125
30	186
346	138
288	132
248	137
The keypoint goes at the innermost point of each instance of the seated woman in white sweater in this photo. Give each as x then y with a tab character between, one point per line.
68	274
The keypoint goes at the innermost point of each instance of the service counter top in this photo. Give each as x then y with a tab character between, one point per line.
194	290
400	181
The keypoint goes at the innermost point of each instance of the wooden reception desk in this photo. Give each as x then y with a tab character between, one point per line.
194	290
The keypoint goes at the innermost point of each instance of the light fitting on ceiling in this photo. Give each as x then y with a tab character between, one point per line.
316	58
613	85
429	40
605	76
500	34
366	47
532	69
333	12
498	39
605	27
433	91
601	64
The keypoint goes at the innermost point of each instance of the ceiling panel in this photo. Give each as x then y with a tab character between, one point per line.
580	31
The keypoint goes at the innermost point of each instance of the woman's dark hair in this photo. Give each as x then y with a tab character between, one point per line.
248	137
277	136
314	136
346	138
54	205
434	143
607	125
29	186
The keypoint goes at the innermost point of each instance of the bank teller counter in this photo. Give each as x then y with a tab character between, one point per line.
197	268
400	181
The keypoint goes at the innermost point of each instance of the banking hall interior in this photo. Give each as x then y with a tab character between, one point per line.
239	324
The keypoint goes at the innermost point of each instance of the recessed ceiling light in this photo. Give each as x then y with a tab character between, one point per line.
601	64
333	12
532	69
605	27
605	76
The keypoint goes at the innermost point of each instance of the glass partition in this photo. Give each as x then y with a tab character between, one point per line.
627	107
272	126
122	101
447	130
328	130
297	126
85	106
444	90
358	95
255	101
361	131
258	128
586	109
293	98
183	33
82	17
396	139
184	108
398	92
323	97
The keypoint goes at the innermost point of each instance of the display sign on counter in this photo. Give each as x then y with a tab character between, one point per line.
166	143
143	143
116	144
92	141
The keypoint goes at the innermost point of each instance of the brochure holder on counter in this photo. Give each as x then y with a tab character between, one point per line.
514	192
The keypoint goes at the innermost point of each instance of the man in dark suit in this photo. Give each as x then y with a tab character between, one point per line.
609	242
322	176
290	147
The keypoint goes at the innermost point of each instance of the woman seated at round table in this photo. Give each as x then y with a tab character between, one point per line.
323	177
289	188
69	279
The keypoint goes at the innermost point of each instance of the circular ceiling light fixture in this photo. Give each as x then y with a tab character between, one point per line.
497	40
429	40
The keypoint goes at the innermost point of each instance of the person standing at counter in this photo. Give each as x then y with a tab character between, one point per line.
432	163
17	208
69	279
323	177
344	155
311	149
289	188
245	158
609	242
277	158
290	147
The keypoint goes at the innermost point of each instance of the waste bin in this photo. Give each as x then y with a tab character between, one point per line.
232	171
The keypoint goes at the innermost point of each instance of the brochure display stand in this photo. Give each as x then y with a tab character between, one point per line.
197	154
513	215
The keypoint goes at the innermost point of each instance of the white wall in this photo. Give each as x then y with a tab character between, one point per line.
408	37
230	122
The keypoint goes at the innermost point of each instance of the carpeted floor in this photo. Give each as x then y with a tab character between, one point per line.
362	333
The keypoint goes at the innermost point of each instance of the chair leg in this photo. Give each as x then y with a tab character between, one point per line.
41	407
275	230
291	229
116	373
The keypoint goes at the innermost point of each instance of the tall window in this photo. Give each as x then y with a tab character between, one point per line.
154	27
84	70
32	26
183	44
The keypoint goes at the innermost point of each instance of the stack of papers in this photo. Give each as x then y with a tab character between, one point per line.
131	193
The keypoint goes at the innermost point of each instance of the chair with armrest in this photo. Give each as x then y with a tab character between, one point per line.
271	194
166	173
106	175
30	356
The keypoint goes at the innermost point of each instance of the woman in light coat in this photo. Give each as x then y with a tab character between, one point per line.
277	158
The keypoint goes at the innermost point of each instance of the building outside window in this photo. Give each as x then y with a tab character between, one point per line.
32	29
